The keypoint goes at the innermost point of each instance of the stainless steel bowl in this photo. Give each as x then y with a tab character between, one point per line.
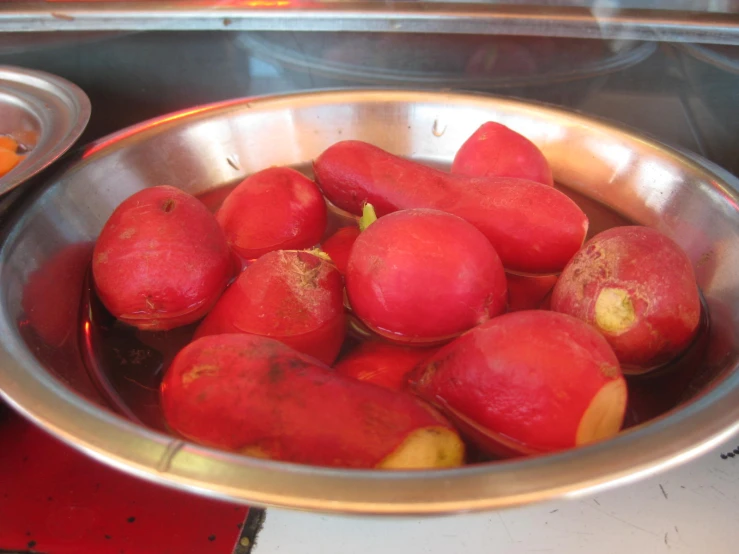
44	113
206	147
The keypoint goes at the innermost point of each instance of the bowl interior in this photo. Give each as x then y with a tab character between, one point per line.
616	176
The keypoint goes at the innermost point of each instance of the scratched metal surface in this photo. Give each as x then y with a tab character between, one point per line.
689	510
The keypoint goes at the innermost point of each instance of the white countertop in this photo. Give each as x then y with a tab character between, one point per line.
690	509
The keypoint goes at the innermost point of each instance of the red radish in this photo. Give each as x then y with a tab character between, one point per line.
527	382
161	260
52	295
274	209
637	287
294	297
528	292
338	246
533	227
259	397
494	150
382	364
424	276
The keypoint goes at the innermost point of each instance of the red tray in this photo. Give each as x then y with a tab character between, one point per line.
55	500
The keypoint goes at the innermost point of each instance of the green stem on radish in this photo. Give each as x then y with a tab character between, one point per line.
319	254
315	251
368	217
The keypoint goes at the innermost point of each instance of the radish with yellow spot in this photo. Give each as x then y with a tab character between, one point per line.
259	397
527	382
637	287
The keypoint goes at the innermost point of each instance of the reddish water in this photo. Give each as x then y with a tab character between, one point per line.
127	364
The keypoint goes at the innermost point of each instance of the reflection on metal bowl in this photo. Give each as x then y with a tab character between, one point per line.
48	241
713	73
557	70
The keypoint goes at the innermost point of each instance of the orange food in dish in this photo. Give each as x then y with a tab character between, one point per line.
8	158
8	143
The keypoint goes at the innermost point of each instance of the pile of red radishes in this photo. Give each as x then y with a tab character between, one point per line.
484	318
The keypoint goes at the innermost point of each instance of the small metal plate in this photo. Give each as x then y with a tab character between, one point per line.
44	113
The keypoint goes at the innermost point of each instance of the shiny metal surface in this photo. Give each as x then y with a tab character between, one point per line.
713	76
726	60
691	200
11	43
451	61
622	20
44	113
145	75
